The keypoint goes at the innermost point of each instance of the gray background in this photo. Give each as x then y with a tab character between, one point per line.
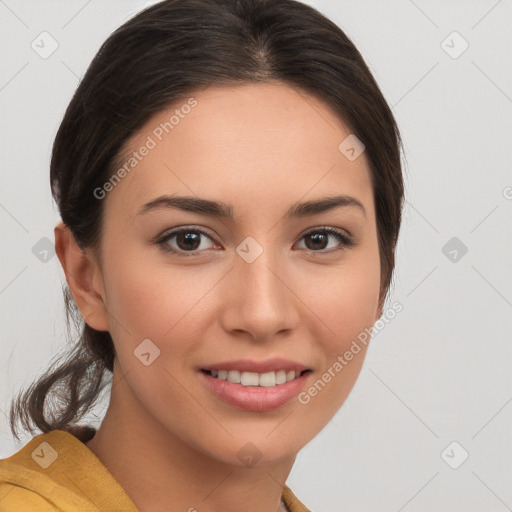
440	371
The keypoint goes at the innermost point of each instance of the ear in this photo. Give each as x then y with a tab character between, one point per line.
84	278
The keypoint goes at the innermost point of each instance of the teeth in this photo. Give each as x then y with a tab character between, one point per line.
234	376
249	379
281	377
267	379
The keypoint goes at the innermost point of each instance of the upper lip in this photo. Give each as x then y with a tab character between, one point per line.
248	365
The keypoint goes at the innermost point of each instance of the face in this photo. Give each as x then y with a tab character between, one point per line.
267	280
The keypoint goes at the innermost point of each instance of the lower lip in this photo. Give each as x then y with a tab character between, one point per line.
254	398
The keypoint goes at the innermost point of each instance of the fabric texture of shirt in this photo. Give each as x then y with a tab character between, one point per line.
56	471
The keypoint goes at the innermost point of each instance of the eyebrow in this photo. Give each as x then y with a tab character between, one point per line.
222	210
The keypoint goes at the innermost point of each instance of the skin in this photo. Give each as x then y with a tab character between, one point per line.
258	148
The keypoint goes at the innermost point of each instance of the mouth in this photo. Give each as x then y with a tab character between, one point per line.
267	379
252	391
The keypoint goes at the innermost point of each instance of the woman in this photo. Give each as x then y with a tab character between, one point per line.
229	181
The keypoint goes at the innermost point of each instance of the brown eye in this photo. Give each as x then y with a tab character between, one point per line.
188	241
318	240
185	240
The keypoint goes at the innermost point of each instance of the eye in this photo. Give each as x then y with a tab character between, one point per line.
184	240
317	240
190	241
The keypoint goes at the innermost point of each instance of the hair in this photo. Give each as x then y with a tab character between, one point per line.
158	57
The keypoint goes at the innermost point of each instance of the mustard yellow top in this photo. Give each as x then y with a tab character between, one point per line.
56	471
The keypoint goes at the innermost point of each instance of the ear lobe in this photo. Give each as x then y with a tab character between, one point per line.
83	276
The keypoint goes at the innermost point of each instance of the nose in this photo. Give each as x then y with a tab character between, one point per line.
259	300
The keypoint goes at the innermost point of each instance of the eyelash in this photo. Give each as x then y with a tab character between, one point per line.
346	241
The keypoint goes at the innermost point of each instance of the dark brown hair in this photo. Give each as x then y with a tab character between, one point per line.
163	54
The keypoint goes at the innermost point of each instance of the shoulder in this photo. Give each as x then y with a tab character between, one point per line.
17	499
25	490
55	471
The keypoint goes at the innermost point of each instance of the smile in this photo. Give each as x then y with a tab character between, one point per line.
255	392
267	379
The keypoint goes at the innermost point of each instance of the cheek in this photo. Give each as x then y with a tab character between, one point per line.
149	297
346	299
346	304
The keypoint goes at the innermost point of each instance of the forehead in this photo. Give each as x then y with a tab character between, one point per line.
269	143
